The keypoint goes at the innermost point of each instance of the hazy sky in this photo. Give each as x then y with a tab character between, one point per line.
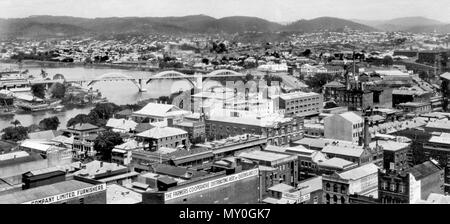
274	10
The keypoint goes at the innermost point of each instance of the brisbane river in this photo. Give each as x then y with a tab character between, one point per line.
118	92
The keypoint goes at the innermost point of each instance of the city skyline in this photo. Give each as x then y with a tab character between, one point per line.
281	11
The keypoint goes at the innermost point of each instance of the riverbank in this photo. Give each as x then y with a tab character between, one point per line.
124	66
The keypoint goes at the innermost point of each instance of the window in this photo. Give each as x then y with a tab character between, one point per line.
335	188
343	190
384	185
401	188
81	200
327	187
316	200
392	187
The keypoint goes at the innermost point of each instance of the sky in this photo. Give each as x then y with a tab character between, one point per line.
273	10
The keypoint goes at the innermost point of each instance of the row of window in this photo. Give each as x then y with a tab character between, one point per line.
303	100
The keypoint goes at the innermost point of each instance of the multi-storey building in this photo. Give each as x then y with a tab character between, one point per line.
159	137
300	103
347	126
275	168
277	130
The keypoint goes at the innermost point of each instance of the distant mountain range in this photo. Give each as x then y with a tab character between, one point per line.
409	24
54	26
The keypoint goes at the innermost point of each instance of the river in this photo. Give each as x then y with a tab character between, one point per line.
118	92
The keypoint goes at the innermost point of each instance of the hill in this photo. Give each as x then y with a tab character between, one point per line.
401	24
325	23
43	26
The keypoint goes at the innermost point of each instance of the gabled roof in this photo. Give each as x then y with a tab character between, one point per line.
82	127
352	117
160	110
47	135
121	124
446	75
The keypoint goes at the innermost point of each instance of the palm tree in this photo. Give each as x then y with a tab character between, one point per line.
15	123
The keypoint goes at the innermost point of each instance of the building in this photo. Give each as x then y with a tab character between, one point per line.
350	152
415	108
76	191
233	146
362	180
396	155
195	129
121	154
36	178
84	135
438	148
308	192
279	131
240	187
300	103
347	126
274	167
121	125
408	187
410	94
155	112
116	194
159	137
109	173
314	130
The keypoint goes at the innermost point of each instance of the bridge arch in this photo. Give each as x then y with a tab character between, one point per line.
223	72
116	77
172	74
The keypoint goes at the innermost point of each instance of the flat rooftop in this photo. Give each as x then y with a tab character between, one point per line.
264	156
43	192
116	194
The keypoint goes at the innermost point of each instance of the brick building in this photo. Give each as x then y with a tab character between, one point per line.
279	131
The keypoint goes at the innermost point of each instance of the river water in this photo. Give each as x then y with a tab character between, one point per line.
118	92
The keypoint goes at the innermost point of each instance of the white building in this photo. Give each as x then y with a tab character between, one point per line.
347	126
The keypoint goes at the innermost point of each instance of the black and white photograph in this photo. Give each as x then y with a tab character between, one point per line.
224	102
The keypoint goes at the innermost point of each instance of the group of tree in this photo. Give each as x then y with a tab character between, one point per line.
317	81
105	143
51	123
218	48
58	90
38	90
101	113
271	79
17	132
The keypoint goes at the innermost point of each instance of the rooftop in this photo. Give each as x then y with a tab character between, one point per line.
116	194
336	163
281	188
161	110
360	172
296	95
162	132
425	169
355	151
263	156
43	192
82	127
389	145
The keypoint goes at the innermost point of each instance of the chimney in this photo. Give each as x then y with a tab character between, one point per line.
366	133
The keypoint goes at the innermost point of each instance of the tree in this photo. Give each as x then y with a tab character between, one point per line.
387	60
307	53
51	123
38	90
105	142
80	119
104	111
15	133
58	90
249	77
16	123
